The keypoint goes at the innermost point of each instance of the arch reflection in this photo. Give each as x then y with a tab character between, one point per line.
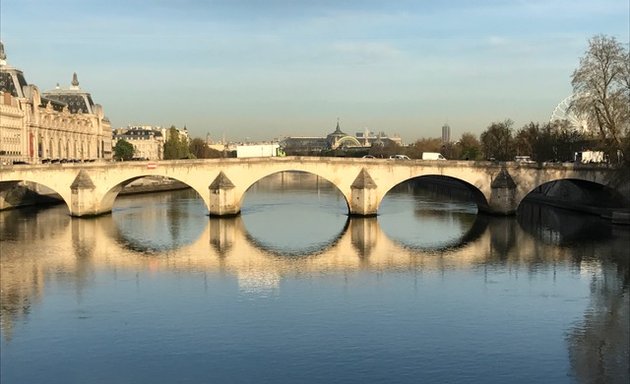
430	213
157	222
292	214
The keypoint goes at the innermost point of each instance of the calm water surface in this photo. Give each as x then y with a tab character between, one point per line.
292	291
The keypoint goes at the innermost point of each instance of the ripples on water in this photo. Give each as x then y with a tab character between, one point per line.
293	291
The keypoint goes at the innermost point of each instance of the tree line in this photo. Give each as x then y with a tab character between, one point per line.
550	142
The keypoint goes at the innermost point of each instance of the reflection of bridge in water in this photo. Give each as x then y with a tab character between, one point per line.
59	248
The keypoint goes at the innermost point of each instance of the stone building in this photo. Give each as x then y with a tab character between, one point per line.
147	141
60	125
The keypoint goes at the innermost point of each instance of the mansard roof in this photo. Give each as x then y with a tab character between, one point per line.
139	133
74	97
12	81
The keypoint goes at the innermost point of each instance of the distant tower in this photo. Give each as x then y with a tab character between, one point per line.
446	134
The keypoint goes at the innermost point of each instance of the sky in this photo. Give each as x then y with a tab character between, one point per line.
248	70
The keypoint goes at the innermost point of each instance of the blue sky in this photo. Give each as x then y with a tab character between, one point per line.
255	69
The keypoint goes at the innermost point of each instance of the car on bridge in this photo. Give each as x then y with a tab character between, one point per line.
524	160
399	157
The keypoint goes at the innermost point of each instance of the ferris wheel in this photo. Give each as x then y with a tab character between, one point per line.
563	112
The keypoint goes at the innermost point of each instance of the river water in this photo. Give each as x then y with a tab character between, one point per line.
294	291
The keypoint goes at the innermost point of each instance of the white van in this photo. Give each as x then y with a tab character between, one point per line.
399	157
432	156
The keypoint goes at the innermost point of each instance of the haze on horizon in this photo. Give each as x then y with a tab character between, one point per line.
247	69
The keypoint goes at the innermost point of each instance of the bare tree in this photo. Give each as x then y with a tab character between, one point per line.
602	90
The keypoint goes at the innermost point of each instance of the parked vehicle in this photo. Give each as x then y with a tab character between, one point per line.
432	156
399	157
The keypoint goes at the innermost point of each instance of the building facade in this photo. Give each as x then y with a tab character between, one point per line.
60	125
147	141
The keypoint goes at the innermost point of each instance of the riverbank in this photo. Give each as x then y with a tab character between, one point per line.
151	184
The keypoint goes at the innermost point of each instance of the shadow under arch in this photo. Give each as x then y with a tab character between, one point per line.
441	202
23	193
293	213
448	186
157	185
156	222
296	179
576	194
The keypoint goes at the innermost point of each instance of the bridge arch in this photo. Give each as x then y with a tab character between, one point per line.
476	195
322	175
14	192
109	197
573	192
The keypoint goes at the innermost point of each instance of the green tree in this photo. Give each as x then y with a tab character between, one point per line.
174	147
601	87
200	150
424	145
497	142
468	147
123	150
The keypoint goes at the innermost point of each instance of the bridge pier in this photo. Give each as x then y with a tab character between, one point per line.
223	200
363	198
502	194
84	201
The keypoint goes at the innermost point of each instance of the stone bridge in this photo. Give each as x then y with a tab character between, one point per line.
90	189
